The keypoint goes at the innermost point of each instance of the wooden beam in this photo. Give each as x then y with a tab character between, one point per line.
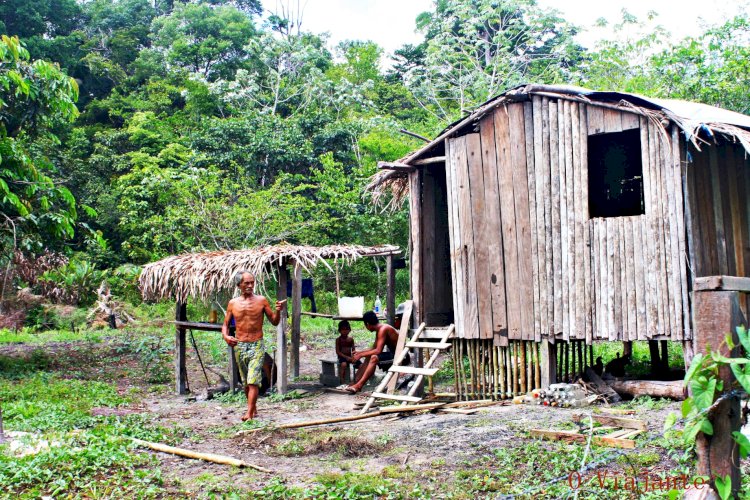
296	317
673	389
716	314
726	283
390	294
428	161
405	320
180	369
281	362
395	166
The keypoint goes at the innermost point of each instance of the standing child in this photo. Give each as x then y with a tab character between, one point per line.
344	349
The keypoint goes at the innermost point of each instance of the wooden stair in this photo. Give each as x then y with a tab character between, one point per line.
397	368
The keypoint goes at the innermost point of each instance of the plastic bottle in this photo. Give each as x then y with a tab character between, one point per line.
378	305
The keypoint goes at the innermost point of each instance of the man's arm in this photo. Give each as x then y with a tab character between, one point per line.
232	341
377	348
273	316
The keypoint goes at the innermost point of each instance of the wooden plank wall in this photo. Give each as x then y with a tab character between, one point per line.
560	273
718	182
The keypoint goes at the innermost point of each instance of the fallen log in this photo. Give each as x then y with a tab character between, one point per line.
655	388
208	457
601	386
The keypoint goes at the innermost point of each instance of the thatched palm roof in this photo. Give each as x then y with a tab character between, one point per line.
202	275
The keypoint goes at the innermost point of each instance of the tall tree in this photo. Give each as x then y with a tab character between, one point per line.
35	98
477	48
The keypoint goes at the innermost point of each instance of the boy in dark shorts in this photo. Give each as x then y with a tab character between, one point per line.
345	350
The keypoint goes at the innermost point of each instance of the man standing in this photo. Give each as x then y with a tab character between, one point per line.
385	335
248	310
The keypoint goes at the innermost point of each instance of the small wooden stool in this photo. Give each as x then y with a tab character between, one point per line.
329	372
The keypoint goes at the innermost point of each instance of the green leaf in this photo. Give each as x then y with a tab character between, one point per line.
742	373
687	406
724	486
744	337
706	427
670	421
743	442
703	392
694	366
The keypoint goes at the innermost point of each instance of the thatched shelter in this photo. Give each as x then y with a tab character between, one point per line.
202	275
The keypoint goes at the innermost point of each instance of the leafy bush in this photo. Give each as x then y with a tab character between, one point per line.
73	283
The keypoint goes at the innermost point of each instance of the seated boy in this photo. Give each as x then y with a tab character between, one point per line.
345	350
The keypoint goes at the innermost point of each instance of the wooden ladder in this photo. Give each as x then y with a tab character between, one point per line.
396	369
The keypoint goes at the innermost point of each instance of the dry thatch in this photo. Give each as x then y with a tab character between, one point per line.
202	275
390	188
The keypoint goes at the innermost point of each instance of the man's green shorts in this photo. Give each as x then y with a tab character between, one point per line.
249	356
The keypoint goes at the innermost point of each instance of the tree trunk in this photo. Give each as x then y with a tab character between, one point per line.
654	388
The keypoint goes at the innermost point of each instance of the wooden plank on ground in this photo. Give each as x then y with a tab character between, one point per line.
496	271
481	238
573	436
508	221
627	423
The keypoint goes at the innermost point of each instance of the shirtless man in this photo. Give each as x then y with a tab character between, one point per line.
248	310
385	335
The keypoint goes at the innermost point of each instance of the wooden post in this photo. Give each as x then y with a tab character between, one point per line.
390	297
548	355
715	315
415	240
281	363
296	319
180	370
653	348
664	358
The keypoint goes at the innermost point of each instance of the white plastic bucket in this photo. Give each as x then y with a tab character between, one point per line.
351	307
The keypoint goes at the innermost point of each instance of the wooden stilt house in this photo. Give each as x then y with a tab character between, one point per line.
556	214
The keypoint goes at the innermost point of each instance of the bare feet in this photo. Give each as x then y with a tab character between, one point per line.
247	416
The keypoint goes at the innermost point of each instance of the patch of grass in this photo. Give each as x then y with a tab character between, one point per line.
333	486
647	403
29	336
96	459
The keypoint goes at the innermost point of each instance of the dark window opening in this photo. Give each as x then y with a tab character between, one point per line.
615	174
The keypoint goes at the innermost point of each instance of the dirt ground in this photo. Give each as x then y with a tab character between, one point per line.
431	449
